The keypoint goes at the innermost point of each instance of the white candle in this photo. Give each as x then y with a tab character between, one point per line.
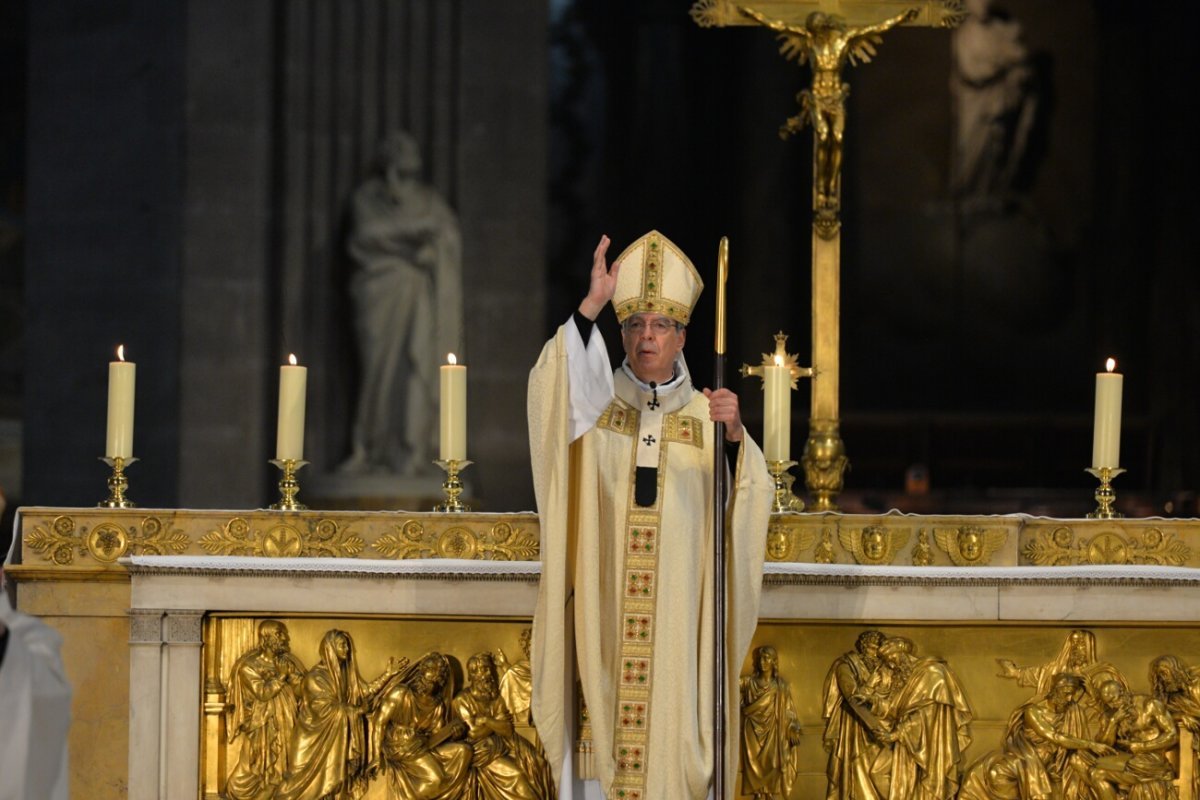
289	433
453	411
1106	431
122	378
777	411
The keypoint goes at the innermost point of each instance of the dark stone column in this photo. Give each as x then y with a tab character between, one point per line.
105	133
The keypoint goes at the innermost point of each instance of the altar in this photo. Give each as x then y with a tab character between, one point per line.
159	608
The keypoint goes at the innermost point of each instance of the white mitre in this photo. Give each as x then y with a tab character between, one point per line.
656	278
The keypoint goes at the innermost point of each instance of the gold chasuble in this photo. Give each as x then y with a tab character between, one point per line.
641	576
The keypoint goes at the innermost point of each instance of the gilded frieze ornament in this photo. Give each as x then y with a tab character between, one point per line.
1061	547
970	545
319	538
874	544
922	554
501	542
105	542
824	551
784	541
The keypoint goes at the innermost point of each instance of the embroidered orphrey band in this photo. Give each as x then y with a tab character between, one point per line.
632	720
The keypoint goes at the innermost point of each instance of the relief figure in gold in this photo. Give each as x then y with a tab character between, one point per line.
412	734
1178	687
927	723
1141	729
516	680
263	687
1077	657
770	730
1041	756
504	766
329	755
851	690
828	42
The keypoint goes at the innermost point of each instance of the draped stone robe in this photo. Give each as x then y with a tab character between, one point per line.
642	577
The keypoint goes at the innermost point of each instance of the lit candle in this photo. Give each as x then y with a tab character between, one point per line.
1106	432
122	377
454	411
289	434
777	411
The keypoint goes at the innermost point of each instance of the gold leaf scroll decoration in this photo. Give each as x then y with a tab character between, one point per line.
321	538
502	542
1061	547
56	542
105	541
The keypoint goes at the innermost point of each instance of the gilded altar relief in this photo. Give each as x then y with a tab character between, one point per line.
908	712
300	707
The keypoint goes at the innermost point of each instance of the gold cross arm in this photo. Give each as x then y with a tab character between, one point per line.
930	13
781	357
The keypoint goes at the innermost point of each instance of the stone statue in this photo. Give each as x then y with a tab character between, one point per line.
516	681
926	723
828	43
504	766
407	293
770	730
994	102
329	752
1041	756
412	734
856	682
1141	729
263	687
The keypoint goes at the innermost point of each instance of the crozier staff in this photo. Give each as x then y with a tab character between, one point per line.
623	470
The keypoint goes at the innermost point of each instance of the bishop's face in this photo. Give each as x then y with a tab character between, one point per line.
651	342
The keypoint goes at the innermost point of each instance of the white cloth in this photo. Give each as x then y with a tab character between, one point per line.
35	710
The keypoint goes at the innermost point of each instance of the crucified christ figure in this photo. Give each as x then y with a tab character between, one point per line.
828	42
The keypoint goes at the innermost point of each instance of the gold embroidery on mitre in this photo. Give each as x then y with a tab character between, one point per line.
656	278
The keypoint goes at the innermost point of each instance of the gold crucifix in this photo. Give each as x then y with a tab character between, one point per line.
826	34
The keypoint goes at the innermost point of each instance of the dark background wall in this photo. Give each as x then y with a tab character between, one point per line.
970	332
175	175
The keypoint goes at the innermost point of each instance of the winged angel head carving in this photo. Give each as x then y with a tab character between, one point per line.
874	544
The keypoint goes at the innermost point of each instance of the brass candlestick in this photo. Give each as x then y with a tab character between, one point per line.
289	487
452	487
117	483
785	499
1105	495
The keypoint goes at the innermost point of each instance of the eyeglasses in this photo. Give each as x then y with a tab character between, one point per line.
658	326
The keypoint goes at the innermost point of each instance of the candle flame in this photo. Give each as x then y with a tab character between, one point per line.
779	361
120	352
292	359
450	359
1111	364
